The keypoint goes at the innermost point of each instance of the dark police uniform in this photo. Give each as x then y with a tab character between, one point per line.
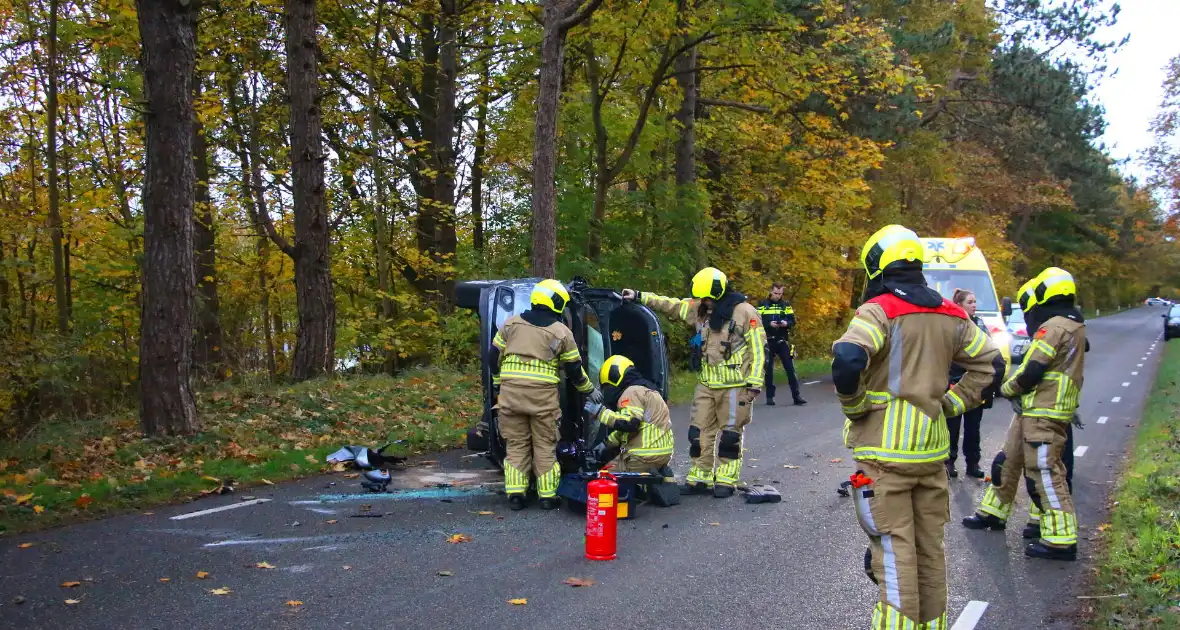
778	344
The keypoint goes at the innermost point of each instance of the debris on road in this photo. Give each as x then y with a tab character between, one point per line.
202	575
578	582
294	602
220	591
759	493
518	602
458	538
446	573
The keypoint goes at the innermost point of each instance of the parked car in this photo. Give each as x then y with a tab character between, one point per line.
1018	337
1155	301
1172	323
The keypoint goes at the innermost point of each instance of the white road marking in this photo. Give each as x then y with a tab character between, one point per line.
1127	384
1116	399
258	541
1140	365
811	383
1134	374
970	616
1081	450
1102	420
232	506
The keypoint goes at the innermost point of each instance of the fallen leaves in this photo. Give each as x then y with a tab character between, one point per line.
486	513
264	565
459	538
70	584
26	545
578	582
266	482
24	498
1103	527
836	460
1155	577
165	580
790	466
715	524
294	603
73	602
83	501
37	509
446	573
331	522
311	459
520	601
220	591
202	575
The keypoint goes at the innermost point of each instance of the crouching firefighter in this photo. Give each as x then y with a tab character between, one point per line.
729	356
1044	392
637	417
525	357
890	371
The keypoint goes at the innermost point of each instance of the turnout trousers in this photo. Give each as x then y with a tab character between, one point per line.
905	516
719	419
1034	449
528	423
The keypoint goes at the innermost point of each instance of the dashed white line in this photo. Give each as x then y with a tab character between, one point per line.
1139	365
1081	450
1102	420
811	383
970	616
1116	399
232	506
1134	374
1127	384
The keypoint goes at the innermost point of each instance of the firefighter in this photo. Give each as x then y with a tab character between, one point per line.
526	355
778	318
638	418
1044	392
890	372
728	354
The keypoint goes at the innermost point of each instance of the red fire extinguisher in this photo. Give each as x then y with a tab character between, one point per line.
602	511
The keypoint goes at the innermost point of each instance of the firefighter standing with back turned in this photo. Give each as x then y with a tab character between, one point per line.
890	372
526	355
728	354
778	318
1044	392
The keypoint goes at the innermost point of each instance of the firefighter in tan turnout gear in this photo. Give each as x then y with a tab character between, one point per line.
890	371
729	353
527	352
1044	392
638	418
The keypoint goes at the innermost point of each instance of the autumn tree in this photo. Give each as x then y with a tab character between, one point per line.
168	31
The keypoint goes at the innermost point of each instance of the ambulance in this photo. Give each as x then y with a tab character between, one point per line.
957	263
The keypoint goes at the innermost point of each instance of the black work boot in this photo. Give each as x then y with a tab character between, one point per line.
550	503
695	488
799	401
950	470
984	521
973	470
1031	530
722	492
516	502
769	402
1045	552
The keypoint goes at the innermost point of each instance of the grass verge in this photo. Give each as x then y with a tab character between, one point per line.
1141	558
684	382
72	470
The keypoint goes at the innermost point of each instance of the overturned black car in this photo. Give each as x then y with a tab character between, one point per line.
603	325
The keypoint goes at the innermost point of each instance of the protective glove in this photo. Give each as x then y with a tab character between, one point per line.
592	409
630	294
752	394
629	425
1077	421
1016	405
595	396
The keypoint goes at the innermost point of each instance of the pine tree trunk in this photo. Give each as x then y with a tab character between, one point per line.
168	32
481	141
447	241
315	345
545	143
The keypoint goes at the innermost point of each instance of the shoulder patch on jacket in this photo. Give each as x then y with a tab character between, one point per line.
1041	333
753	323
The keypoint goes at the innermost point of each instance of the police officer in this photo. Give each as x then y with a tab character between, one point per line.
778	318
1044	392
526	355
728	355
637	416
890	371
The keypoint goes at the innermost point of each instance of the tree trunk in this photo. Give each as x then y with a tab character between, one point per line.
446	241
381	226
168	33
207	352
601	164
687	195
315	345
481	142
55	224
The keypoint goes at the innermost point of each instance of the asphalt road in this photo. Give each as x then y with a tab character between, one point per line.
707	563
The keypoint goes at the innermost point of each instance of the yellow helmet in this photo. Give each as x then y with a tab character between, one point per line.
1053	282
1026	296
551	294
890	244
613	369
708	283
